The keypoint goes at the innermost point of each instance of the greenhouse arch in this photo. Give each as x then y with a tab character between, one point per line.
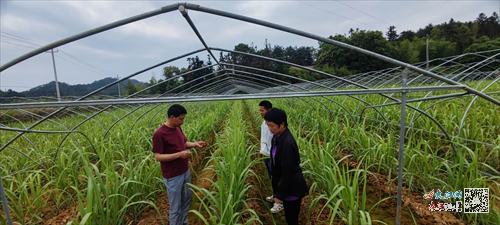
350	98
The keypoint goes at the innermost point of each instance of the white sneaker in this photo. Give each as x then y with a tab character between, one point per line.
270	198
277	208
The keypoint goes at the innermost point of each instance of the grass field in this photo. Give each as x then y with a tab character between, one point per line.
106	174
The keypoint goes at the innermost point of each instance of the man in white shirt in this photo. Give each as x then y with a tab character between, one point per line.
265	148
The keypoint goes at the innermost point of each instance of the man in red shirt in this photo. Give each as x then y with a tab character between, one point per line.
169	148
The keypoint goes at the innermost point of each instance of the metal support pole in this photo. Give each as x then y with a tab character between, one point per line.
119	94
55	74
401	146
427	52
5	205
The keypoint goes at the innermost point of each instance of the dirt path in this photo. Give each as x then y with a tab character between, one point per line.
259	191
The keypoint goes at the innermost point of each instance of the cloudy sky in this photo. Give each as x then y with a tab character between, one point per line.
27	25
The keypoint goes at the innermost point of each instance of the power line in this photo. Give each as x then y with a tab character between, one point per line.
20	40
363	12
89	69
24	38
88	66
17	44
334	13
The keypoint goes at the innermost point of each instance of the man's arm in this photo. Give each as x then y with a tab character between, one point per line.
199	144
169	157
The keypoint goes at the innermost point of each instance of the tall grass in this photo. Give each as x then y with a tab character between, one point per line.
225	201
426	154
110	181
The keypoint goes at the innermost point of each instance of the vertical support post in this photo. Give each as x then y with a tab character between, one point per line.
55	74
119	95
5	205
401	145
427	52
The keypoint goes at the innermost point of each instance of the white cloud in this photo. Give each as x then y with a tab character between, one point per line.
262	10
157	30
93	52
98	13
21	25
103	12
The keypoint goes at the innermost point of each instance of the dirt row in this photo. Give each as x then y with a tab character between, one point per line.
259	191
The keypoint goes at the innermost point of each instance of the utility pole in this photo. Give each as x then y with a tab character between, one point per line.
55	75
119	95
427	51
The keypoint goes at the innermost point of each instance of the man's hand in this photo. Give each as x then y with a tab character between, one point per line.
277	201
184	154
259	155
200	144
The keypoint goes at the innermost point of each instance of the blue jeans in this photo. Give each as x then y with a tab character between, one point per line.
179	198
268	166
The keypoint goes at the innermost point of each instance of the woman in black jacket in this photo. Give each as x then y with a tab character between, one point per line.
289	186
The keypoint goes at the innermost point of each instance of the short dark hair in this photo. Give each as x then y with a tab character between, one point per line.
277	116
266	104
176	110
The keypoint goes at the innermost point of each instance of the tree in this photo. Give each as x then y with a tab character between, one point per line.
450	29
488	26
304	56
406	35
407	53
437	34
243	59
327	53
463	38
493	26
153	84
290	54
194	64
482	46
481	21
278	52
223	59
10	93
337	57
130	87
169	73
437	48
392	34
424	32
482	39
263	63
474	31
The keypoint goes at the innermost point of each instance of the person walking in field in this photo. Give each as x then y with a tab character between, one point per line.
289	186
265	148
169	148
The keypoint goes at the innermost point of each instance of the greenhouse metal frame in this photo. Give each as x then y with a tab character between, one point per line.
403	79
